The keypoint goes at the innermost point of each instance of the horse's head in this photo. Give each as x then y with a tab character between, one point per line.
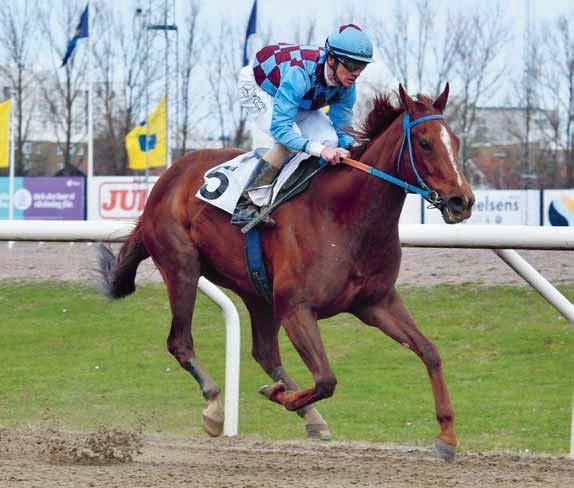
430	156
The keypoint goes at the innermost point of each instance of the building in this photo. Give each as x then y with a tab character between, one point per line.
497	150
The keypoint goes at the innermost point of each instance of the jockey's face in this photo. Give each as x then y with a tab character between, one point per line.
342	74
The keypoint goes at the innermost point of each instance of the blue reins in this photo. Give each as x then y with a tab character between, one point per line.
422	189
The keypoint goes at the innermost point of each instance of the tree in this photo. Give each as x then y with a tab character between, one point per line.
120	90
392	38
106	124
224	53
409	39
65	90
18	27
190	102
476	70
559	48
303	31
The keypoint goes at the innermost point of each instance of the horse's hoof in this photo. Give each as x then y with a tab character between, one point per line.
213	417
319	432
443	450
270	391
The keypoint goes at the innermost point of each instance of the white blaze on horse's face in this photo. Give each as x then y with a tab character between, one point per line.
447	141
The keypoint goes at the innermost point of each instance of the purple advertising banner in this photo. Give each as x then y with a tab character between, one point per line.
55	198
47	198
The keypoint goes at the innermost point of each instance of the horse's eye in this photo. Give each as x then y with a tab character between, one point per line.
424	144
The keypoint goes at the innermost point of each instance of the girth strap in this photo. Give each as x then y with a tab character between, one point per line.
256	266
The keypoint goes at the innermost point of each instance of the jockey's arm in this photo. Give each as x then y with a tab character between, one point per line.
292	89
341	115
286	102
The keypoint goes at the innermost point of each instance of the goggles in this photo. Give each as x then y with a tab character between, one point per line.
351	65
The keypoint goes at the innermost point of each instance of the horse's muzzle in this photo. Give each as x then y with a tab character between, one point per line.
457	208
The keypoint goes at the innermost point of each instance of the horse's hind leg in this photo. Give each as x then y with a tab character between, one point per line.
391	316
265	350
180	269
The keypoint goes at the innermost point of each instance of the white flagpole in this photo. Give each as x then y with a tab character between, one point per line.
90	113
11	162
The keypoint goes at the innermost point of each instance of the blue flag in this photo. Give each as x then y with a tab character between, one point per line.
81	31
251	25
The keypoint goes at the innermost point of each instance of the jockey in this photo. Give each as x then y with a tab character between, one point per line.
284	92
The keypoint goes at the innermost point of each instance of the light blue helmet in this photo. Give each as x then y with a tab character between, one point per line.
349	41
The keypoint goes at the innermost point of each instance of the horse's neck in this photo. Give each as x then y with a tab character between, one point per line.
383	154
366	205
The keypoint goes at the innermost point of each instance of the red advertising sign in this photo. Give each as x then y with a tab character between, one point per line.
119	197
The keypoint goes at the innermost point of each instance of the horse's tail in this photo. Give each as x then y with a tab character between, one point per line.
118	274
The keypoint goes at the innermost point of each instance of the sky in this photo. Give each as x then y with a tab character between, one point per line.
325	10
274	14
281	19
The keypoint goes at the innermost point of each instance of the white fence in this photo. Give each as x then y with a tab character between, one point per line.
502	239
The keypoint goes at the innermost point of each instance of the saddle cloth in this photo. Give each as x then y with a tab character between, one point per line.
224	183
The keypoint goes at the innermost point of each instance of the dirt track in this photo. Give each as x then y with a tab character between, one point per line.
54	459
26	462
420	267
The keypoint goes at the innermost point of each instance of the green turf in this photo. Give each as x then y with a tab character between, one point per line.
73	360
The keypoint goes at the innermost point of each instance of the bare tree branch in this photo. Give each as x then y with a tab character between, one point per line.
559	48
65	90
224	55
190	102
486	33
18	27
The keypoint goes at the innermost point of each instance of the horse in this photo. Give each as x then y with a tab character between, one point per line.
335	249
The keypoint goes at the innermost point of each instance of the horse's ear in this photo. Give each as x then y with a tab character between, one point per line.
440	102
406	100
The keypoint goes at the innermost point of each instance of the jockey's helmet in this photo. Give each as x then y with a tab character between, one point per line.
350	42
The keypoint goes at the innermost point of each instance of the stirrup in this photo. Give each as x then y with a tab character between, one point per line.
243	215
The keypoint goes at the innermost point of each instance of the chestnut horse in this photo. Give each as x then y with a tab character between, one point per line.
335	249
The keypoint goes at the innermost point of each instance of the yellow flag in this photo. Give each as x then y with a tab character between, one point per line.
4	134
146	143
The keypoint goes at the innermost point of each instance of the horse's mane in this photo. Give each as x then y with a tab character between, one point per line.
381	116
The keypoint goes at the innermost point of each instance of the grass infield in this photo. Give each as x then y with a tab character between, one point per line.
72	360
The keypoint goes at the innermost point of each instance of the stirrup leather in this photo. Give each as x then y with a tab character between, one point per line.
245	210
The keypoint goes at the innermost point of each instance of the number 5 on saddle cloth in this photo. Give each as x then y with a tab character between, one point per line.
224	183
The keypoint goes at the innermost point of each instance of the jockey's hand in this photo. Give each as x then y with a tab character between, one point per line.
333	155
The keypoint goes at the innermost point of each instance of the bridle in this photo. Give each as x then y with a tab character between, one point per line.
422	189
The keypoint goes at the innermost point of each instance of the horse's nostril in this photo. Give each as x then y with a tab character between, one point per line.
458	204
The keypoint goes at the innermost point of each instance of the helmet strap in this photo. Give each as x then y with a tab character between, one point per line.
334	68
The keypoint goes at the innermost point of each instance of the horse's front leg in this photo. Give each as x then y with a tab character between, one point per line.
391	316
265	330
302	329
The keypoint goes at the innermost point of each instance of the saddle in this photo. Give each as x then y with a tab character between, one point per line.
223	187
224	183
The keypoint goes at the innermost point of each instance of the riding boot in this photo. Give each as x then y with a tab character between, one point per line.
245	210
